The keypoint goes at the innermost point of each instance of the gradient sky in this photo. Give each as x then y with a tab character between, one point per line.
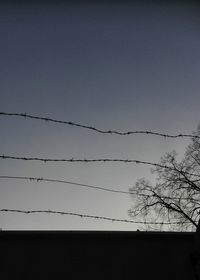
114	66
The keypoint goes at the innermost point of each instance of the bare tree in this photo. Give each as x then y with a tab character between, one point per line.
174	198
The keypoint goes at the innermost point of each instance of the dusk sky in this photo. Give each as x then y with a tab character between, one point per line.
112	66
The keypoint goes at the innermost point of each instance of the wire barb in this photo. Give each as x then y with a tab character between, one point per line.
93	128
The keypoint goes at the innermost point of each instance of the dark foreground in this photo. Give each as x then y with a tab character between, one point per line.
95	255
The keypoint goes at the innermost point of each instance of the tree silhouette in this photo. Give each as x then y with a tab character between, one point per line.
175	195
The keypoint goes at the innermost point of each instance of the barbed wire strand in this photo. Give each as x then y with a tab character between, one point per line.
87	216
29	116
40	179
103	160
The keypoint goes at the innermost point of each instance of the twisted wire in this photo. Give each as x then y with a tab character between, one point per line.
93	128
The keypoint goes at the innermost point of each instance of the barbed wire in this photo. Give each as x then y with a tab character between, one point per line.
29	116
88	216
40	179
102	160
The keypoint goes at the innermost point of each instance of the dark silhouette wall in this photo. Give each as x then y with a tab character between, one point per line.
96	255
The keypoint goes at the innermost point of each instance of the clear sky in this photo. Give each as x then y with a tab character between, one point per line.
113	66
